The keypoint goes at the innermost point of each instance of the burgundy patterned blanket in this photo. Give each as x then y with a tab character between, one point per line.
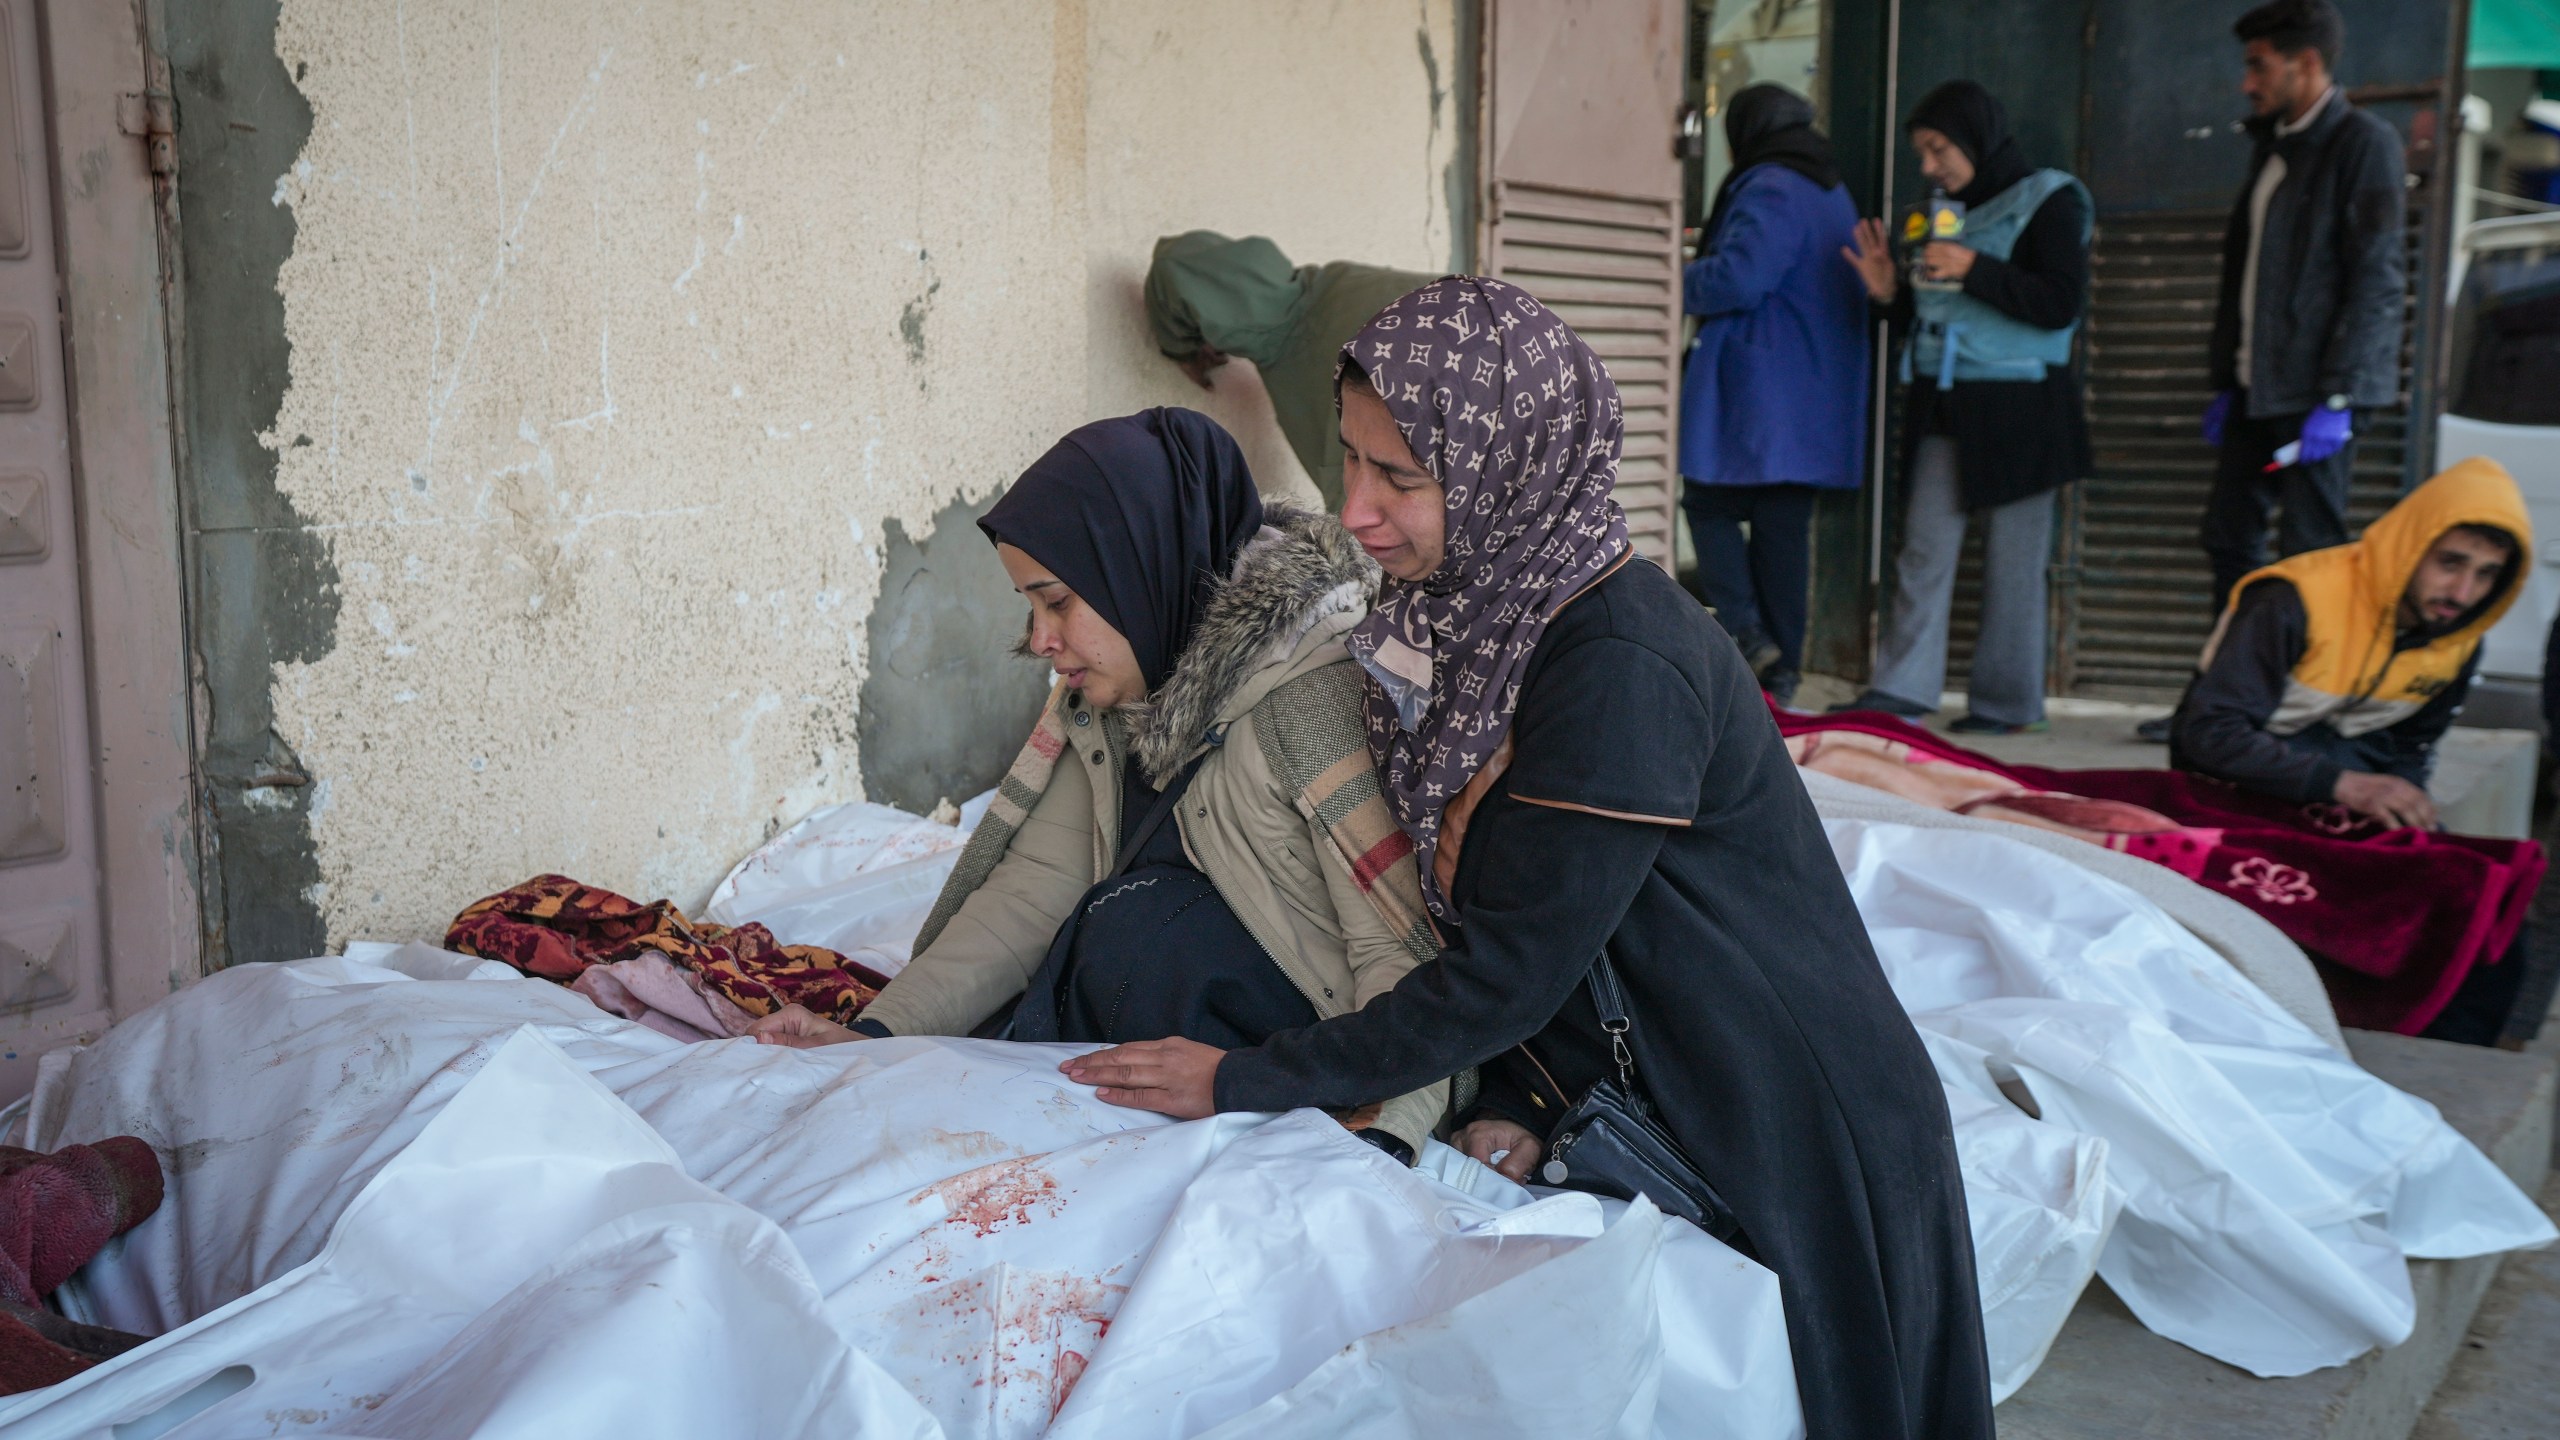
2394	919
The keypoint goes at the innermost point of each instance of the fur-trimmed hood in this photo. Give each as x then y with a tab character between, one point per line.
1300	570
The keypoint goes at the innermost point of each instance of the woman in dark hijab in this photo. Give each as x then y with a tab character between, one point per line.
1773	398
1972	119
1993	419
1197	636
1139	518
1586	770
1771	125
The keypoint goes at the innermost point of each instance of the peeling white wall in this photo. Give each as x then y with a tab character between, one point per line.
619	329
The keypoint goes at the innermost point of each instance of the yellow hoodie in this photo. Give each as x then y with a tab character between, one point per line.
2349	676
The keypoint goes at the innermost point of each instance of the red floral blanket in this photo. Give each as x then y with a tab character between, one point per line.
556	928
2394	919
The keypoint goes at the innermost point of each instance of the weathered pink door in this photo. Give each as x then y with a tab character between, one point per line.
1582	206
53	981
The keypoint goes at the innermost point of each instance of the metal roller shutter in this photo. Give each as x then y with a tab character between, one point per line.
2130	604
2129	580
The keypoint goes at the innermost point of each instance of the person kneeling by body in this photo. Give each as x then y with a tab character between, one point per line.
1198	641
1587	770
2332	674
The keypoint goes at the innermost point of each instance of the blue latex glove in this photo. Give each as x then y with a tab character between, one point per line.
2324	433
2214	415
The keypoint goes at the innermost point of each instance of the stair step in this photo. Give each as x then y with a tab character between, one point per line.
2503	1383
2107	1378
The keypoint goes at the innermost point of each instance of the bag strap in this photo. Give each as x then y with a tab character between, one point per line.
1166	799
1610	999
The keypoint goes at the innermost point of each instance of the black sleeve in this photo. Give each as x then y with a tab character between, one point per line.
2362	357
2413	741
2045	280
1505	1096
2551	684
1550	886
2222	354
2220	729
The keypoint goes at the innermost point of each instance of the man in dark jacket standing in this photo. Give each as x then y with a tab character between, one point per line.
2306	329
2306	333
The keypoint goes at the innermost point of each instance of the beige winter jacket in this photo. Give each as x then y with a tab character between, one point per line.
1283	816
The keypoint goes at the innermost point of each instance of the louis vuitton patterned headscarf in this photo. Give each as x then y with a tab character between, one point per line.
1518	420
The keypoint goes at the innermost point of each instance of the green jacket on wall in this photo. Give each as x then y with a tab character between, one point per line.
1243	298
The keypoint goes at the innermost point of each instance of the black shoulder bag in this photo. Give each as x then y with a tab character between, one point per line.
1611	1144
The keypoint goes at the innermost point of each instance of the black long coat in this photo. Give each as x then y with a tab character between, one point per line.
1651	809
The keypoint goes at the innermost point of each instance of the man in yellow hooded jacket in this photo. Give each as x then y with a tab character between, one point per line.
2333	673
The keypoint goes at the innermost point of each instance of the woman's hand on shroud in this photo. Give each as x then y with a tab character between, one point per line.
1175	1077
1484	1139
793	1026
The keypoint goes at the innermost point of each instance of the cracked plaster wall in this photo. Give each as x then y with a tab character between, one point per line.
619	332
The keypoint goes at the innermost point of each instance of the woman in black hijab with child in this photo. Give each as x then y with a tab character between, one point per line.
1593	786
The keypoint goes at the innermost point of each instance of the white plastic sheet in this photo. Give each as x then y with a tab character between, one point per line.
987	1242
2271	1188
858	879
604	1259
2042	1205
2040	1210
1001	1254
1492	1361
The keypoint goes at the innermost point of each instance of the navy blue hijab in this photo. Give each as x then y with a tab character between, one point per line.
1140	515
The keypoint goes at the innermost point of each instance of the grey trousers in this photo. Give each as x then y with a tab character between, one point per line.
2007	683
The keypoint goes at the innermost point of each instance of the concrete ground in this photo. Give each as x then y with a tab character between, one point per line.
2086	734
2503	1384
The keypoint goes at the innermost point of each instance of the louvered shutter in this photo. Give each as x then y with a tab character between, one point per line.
1582	207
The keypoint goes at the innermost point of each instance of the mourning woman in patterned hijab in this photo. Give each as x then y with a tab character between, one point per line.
1585	767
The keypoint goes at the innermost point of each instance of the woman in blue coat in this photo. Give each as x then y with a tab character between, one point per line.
1773	403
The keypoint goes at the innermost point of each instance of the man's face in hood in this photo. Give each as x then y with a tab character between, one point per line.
2459	573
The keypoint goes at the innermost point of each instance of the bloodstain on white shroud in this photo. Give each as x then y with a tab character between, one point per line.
993	1196
1029	1333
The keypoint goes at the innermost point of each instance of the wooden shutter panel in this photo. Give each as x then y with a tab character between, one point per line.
1582	207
